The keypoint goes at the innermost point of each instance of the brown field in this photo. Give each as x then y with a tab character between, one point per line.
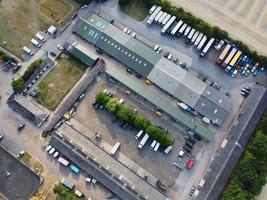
21	19
245	20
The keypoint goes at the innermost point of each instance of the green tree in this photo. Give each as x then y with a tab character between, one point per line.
18	84
126	114
102	98
141	123
113	105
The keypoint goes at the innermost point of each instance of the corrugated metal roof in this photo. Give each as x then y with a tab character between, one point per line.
83	54
178	82
154	98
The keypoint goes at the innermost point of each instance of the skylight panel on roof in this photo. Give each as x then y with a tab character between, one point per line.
92	20
85	27
103	26
90	32
96	35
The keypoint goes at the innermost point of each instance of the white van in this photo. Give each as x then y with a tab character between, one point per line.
153	144
157	147
156	47
206	120
168	149
138	135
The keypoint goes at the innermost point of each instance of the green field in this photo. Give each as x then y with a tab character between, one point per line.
59	81
21	19
136	9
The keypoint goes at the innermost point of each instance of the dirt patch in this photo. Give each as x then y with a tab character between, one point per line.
243	20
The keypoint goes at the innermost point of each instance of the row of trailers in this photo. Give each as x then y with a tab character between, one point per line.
179	28
228	59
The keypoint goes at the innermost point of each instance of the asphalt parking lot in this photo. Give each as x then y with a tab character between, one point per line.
17	181
157	163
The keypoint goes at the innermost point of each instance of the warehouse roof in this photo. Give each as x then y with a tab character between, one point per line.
80	52
159	101
118	44
164	73
177	81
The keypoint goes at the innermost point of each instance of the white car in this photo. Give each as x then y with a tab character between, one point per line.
48	148
234	73
56	154
84	6
59	47
51	151
125	29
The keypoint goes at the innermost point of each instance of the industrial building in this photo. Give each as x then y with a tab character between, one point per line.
80	52
181	84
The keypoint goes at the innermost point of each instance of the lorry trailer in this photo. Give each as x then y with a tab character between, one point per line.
223	54
143	141
207	47
167	26
175	29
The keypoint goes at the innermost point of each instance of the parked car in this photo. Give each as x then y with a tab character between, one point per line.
21	153
189	164
21	126
2	136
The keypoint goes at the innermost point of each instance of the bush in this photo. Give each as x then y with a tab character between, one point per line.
126	114
102	98
66	193
18	84
141	123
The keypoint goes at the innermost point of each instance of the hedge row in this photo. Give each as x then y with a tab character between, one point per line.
5	57
66	193
18	84
126	114
250	176
205	28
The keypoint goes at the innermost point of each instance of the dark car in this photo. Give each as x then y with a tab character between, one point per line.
114	118
188	143
197	137
21	126
121	123
187	149
53	54
125	125
191	139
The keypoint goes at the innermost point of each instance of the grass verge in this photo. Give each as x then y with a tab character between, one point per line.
137	9
26	158
59	81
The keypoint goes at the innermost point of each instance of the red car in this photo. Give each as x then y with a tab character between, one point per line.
189	164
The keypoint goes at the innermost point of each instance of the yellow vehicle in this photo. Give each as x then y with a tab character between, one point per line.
149	82
158	113
66	116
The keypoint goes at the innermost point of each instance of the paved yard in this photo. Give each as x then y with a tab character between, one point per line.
157	163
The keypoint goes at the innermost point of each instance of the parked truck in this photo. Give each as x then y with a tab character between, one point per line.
207	47
235	58
176	28
229	58
40	37
35	43
143	141
153	15
190	35
195	36
201	43
27	50
158	16
166	19
162	17
63	161
223	54
167	26
180	32
152	9
199	37
187	30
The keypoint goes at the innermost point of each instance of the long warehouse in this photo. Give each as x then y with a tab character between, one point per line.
142	59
